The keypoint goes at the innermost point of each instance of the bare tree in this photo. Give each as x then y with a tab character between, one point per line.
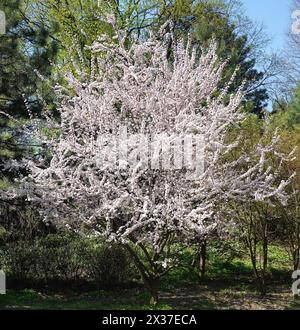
290	58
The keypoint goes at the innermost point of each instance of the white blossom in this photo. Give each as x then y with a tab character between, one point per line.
149	92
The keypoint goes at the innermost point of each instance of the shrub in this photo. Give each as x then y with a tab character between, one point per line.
67	257
109	264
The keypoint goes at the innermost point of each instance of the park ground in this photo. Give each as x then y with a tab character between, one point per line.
226	286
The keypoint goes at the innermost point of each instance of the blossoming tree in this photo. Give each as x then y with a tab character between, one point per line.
117	169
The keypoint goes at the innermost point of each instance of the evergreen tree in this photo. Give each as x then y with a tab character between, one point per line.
25	48
207	19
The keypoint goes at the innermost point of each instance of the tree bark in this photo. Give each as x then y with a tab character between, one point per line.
202	259
263	290
150	282
296	258
153	289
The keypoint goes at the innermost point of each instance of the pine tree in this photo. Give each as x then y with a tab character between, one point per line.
25	48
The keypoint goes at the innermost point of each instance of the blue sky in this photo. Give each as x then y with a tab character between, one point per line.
275	14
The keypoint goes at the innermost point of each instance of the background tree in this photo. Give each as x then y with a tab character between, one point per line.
287	231
78	23
24	49
287	81
292	50
254	221
207	19
293	110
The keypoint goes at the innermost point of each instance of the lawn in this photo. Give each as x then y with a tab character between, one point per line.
214	295
228	285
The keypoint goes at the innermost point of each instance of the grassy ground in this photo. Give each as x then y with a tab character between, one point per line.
216	295
227	286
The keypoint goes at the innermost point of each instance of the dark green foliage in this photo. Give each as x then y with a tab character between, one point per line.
67	257
24	48
109	265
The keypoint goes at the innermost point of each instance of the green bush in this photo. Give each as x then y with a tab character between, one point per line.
109	264
19	259
67	257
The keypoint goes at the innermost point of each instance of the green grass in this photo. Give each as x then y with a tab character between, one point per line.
31	299
228	284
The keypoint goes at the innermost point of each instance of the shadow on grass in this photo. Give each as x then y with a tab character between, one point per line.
227	285
29	299
211	294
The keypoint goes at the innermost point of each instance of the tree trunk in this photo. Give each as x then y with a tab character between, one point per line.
152	285
259	275
263	290
262	286
296	258
154	292
202	259
150	282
